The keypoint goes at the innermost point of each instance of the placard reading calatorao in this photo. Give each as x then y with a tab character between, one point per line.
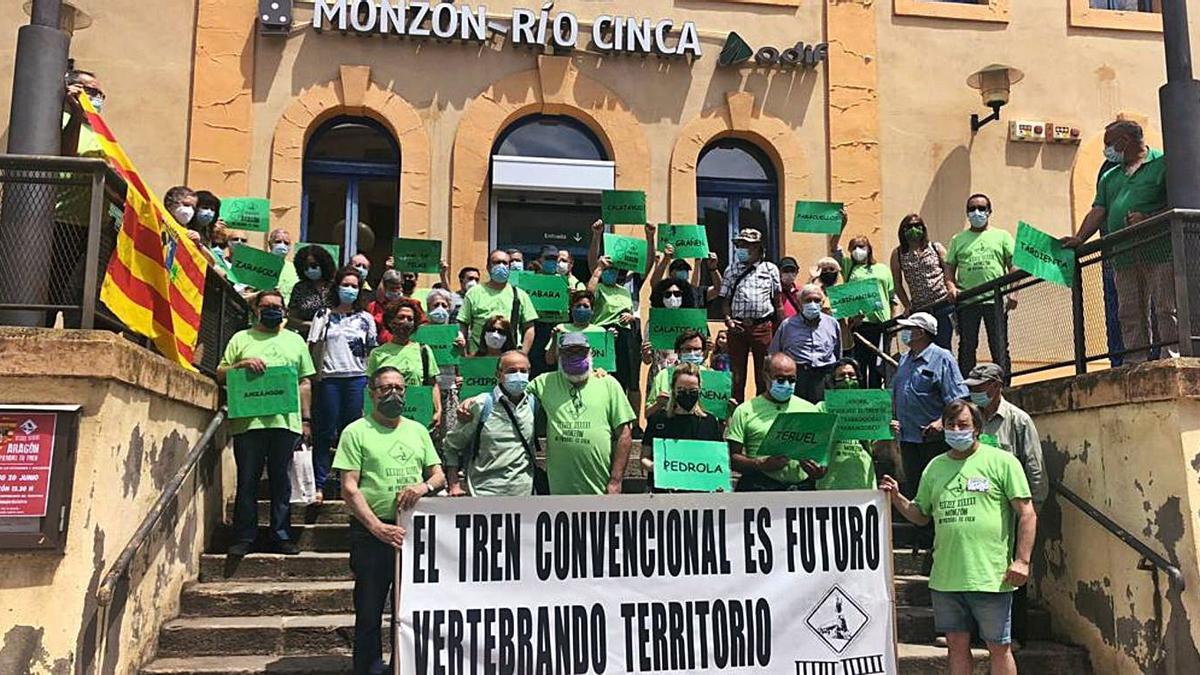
787	583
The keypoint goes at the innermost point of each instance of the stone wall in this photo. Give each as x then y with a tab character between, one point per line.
140	417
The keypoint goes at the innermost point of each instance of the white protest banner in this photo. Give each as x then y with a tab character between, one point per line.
782	583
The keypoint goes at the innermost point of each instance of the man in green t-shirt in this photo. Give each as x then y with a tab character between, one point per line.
1126	195
267	439
587	423
972	494
496	298
388	463
977	256
748	427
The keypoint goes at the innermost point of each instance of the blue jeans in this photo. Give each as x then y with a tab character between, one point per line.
252	450
958	612
374	565
339	401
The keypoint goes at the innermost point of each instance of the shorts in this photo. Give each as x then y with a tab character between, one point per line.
958	612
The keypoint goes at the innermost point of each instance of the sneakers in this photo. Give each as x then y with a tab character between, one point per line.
285	548
238	550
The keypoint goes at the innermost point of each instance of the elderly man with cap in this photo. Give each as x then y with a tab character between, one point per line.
926	380
588	423
752	305
788	269
1011	429
814	341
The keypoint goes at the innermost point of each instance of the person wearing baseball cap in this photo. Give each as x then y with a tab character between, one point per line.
788	270
752	295
926	380
1011	429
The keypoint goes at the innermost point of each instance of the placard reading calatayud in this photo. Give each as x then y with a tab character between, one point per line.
766	583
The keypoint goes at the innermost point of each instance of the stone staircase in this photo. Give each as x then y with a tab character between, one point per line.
295	614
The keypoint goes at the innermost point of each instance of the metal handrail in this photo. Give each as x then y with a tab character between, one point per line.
120	568
1156	559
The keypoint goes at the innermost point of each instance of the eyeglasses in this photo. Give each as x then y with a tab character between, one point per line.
389	388
977	209
237	240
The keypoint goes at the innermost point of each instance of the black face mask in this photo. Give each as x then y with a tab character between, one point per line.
391	406
271	317
408	287
829	278
687	399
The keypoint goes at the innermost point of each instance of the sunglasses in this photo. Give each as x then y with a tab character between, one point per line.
786	380
672	294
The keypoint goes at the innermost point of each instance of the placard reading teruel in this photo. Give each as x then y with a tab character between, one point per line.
788	583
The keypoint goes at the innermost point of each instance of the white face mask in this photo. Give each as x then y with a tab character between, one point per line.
859	254
494	340
563	267
672	302
183	214
471	283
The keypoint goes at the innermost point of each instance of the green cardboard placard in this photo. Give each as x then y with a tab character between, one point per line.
252	214
418	404
604	351
417	255
855	298
689	241
1043	256
817	217
696	466
665	324
627	253
478	376
440	340
255	268
274	392
334	250
862	414
716	388
623	207
550	294
800	436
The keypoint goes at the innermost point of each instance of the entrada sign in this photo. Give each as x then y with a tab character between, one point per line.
448	21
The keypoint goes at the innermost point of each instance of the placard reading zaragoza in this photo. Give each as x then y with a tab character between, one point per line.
787	583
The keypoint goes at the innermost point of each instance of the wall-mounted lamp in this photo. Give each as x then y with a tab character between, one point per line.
70	18
994	84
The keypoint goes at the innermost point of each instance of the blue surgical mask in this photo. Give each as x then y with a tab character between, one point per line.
499	273
439	315
981	399
362	270
515	383
516	266
608	277
204	217
782	391
905	336
681	275
742	255
347	294
581	314
550	266
280	249
313	273
1111	154
695	356
271	317
978	219
811	310
960	440
97	102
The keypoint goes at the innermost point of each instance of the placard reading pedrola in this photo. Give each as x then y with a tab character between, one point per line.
775	584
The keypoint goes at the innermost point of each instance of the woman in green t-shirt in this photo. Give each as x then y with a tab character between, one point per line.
861	266
851	463
414	361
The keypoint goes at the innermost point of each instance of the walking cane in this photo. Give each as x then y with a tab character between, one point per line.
867	343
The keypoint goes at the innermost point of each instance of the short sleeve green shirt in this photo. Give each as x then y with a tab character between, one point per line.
386	459
887	288
283	348
564	328
969	502
851	466
980	257
611	303
1144	192
580	422
406	359
752	420
483	302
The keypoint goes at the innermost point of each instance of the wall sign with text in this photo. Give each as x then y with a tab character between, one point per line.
737	51
37	469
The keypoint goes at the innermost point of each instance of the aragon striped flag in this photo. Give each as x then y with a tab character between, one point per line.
154	282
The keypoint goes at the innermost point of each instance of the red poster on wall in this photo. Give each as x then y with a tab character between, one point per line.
26	451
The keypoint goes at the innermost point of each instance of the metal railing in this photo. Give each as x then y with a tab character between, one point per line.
59	220
1056	327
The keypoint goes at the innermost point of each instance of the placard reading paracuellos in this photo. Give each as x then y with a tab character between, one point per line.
775	584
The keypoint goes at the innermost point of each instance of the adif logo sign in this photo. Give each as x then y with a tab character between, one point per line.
737	51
